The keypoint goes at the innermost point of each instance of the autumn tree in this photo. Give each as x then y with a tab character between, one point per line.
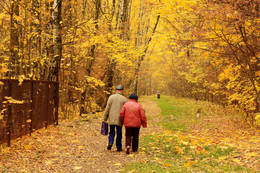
14	39
213	52
203	49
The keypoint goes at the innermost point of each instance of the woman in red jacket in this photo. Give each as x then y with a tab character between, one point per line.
132	116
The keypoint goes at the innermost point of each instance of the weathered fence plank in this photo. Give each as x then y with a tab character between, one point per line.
26	106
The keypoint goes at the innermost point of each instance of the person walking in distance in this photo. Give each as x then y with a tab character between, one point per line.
133	116
112	114
158	94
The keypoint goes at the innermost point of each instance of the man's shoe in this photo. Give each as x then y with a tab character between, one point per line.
109	146
119	149
128	150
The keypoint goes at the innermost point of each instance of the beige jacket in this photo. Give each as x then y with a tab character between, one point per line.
114	105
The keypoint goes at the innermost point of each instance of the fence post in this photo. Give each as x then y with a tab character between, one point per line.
31	108
57	103
9	119
47	104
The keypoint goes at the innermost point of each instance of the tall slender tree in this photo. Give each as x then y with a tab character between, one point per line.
14	40
87	89
57	40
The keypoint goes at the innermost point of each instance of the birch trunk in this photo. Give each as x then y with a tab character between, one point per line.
57	41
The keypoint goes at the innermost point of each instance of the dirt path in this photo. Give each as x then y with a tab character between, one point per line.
72	146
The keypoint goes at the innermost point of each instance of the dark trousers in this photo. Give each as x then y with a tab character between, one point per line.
132	136
118	134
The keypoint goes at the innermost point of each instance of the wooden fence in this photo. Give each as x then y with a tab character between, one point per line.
26	106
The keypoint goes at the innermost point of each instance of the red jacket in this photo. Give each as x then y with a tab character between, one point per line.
132	114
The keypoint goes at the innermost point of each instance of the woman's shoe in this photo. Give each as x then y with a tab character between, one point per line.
109	146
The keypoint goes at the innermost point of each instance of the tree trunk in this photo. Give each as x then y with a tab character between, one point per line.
36	40
14	41
122	20
141	58
87	89
57	41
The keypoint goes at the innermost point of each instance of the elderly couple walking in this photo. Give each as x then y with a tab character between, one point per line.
121	112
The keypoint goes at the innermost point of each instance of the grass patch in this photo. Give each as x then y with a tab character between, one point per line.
177	113
168	152
173	151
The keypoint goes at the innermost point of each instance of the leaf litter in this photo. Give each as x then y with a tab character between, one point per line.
71	146
78	146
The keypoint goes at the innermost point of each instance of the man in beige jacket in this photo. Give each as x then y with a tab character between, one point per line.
112	114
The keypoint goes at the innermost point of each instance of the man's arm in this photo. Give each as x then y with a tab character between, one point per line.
107	110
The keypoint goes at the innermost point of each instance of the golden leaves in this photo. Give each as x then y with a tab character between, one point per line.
3	70
12	101
257	118
94	81
117	164
238	161
80	147
28	147
166	164
29	121
77	167
178	149
75	141
252	154
2	16
188	164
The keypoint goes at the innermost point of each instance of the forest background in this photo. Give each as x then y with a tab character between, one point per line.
201	49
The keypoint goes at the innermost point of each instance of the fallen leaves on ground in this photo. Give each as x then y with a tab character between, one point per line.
72	146
78	146
225	132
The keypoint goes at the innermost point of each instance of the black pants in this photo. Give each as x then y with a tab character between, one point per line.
132	136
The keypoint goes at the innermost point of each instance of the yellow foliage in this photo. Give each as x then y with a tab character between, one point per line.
188	164
257	119
166	165
28	147
2	16
3	70
251	154
77	167
117	164
13	101
75	141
